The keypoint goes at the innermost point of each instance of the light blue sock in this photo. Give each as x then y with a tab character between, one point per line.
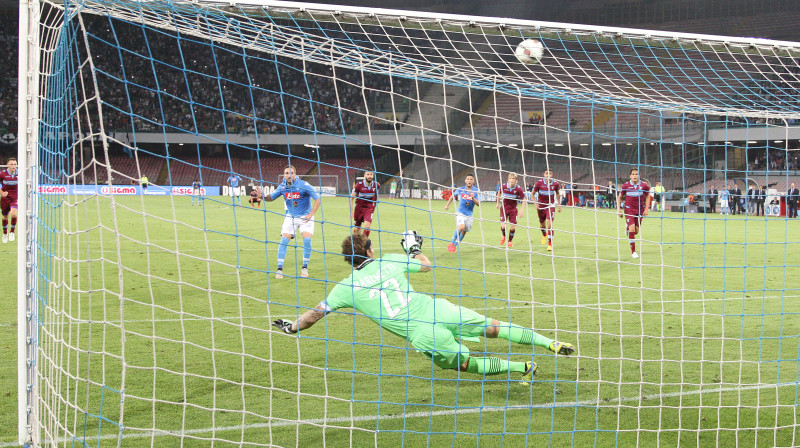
306	251
461	236
456	239
282	251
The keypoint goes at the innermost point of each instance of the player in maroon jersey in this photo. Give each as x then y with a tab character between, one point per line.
8	203
365	196
508	198
636	195
548	198
255	197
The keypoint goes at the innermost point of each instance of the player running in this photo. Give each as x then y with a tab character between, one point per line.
365	197
467	197
379	289
299	215
509	197
636	195
8	203
547	197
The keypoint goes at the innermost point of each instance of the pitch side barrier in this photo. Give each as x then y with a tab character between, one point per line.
123	190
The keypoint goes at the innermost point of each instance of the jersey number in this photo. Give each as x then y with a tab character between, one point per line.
393	285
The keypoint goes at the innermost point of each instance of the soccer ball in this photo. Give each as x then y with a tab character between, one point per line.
529	51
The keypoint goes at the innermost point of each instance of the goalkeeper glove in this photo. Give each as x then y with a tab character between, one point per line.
284	325
411	243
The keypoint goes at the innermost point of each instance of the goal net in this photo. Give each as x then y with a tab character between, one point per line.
146	304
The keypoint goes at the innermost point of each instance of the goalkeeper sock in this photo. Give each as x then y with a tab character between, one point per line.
494	366
632	240
511	236
306	251
282	251
521	335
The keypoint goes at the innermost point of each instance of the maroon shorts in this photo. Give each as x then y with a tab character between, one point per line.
361	215
6	204
509	215
633	220
546	213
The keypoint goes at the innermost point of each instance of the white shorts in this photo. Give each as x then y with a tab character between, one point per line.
723	203
290	224
235	191
465	220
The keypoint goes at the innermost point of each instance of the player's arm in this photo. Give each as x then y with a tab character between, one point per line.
412	245
314	208
425	263
558	200
352	201
306	320
647	204
278	192
619	203
523	206
498	195
447	205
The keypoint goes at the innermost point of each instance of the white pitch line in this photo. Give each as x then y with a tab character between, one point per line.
367	418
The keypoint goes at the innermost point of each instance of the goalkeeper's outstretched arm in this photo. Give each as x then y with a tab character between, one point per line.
423	260
305	320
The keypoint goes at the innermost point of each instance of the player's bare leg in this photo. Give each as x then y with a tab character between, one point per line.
503	231
549	225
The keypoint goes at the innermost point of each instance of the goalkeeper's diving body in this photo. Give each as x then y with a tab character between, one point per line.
379	289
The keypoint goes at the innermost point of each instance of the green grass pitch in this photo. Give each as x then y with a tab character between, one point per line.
168	306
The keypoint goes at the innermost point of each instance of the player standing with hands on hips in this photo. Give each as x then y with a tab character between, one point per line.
299	215
379	289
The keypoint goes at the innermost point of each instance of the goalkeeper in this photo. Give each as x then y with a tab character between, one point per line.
379	289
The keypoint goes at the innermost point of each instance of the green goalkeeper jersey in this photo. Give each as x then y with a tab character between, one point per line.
380	290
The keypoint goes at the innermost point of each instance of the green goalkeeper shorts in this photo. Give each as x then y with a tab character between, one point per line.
438	331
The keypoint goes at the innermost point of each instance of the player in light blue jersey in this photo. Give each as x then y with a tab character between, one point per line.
467	197
299	215
234	180
724	201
